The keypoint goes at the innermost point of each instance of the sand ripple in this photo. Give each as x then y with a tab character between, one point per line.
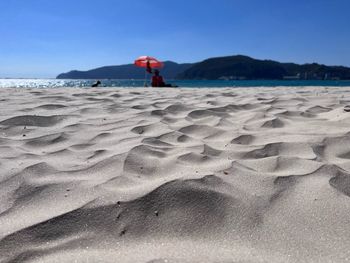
191	175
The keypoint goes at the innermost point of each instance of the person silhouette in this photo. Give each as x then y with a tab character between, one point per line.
158	81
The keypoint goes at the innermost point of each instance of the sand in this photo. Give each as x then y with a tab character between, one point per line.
175	175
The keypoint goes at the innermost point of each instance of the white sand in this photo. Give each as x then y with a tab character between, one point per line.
175	175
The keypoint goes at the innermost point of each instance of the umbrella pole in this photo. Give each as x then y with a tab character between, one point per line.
145	84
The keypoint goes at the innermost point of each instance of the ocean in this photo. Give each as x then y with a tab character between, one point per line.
55	83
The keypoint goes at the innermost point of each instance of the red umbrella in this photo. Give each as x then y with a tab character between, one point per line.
148	63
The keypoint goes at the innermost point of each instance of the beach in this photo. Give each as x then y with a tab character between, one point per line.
175	175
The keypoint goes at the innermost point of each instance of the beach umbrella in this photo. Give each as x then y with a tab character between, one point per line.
145	61
148	63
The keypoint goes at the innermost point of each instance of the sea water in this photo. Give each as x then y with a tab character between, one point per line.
55	83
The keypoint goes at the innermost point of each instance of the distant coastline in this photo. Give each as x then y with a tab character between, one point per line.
221	68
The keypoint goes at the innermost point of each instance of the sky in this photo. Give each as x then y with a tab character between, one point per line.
42	38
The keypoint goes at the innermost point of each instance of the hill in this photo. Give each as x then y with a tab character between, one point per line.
243	67
230	67
129	71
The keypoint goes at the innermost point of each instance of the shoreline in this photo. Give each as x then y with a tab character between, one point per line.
56	83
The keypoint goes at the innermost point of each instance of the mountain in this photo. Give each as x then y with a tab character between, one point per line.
234	67
243	67
129	71
231	67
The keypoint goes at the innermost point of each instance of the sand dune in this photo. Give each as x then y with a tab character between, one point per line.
175	175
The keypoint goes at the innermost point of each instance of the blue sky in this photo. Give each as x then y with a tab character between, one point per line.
42	38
